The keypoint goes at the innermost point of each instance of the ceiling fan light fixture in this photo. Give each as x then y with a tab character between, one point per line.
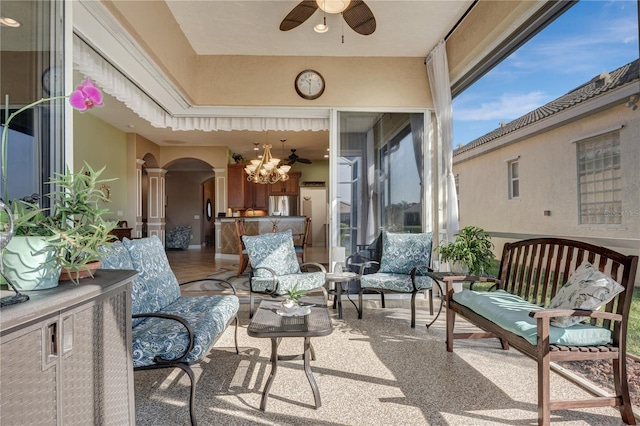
333	6
321	28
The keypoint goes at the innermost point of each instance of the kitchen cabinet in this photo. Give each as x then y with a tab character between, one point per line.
289	187
256	196
242	194
65	354
236	183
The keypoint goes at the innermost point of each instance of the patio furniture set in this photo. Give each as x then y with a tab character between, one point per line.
170	331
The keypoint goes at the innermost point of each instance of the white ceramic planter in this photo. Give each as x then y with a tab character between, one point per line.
29	262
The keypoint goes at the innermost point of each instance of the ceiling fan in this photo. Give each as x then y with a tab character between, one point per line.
355	13
293	158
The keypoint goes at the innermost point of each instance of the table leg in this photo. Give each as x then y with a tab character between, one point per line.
307	371
339	298
274	369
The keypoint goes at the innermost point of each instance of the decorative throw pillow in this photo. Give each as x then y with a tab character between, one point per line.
274	251
587	288
402	252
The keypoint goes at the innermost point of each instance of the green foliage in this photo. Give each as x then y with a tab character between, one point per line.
471	247
294	294
75	224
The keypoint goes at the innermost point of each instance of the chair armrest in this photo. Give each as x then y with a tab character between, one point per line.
158	359
224	282
274	277
318	266
365	265
551	313
415	271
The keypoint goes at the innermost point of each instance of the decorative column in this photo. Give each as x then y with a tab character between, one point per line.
155	213
137	232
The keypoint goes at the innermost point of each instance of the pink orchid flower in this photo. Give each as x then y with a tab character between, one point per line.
86	96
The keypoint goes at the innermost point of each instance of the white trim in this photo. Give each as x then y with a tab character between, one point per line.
147	90
598	133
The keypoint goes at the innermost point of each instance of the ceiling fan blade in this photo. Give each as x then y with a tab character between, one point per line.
304	161
291	162
359	17
298	15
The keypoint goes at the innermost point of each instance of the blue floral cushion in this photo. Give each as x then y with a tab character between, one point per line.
208	315
274	251
394	282
178	237
402	252
306	281
159	286
116	256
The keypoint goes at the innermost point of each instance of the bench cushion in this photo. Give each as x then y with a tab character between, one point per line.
511	313
208	316
394	282
306	281
158	285
116	256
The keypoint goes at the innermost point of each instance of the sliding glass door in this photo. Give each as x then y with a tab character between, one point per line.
380	177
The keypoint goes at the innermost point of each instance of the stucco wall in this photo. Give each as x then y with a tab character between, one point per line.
100	145
548	181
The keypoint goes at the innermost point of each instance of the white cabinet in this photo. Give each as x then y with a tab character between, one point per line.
65	355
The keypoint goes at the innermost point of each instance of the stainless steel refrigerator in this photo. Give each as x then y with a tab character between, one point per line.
283	205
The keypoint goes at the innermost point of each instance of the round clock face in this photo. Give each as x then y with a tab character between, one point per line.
309	84
51	79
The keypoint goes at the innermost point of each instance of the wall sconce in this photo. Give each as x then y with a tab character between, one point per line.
633	102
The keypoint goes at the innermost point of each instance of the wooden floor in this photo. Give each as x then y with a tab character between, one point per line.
193	264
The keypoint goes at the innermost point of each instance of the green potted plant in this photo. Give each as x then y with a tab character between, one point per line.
238	158
291	302
69	236
39	260
472	249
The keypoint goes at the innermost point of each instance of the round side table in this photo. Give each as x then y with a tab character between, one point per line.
339	279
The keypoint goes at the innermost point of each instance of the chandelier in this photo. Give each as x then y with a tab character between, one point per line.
265	170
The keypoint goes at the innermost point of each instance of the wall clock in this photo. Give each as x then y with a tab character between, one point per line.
51	79
309	84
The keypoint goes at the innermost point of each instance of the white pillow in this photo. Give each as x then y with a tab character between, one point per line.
587	288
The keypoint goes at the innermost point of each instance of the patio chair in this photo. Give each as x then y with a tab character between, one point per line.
243	259
275	268
301	249
403	265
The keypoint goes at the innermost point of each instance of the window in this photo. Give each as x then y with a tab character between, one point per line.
31	58
514	179
599	179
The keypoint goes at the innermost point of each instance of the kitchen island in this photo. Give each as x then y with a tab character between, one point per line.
227	241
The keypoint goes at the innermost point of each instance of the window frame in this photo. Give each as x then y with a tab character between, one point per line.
511	179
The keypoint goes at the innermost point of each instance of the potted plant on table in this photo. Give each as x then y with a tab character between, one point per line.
291	302
472	249
71	233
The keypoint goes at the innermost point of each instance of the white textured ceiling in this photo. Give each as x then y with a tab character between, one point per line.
403	28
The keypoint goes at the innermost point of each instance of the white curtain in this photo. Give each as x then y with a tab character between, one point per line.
438	72
112	81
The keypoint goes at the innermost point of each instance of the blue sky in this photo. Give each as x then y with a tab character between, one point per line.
592	37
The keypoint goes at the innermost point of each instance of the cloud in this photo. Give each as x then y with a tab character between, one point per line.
506	108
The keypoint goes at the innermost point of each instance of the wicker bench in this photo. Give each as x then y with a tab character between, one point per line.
531	273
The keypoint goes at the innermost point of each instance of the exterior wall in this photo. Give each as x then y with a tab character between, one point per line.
548	181
100	145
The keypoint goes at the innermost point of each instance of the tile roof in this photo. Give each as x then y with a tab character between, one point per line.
597	86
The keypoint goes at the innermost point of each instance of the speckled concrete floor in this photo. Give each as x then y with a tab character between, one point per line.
374	371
